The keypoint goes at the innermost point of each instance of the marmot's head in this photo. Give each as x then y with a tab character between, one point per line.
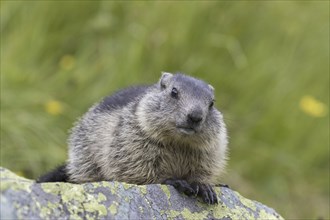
182	110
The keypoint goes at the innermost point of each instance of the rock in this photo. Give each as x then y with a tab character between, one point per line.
25	199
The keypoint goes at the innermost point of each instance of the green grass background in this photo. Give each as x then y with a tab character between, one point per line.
262	57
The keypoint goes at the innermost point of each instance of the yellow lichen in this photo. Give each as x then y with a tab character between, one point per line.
167	192
94	206
143	190
247	203
171	214
187	214
127	186
101	197
73	192
113	208
52	188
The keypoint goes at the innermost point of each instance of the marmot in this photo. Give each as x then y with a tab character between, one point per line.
166	133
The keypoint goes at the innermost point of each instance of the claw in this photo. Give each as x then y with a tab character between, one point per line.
195	186
207	193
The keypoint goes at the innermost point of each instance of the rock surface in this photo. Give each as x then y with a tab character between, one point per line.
24	199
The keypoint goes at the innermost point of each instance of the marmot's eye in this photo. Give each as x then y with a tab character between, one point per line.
211	103
174	93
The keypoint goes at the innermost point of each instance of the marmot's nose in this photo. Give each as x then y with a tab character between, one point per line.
195	117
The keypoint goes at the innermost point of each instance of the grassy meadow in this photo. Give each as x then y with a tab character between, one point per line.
268	61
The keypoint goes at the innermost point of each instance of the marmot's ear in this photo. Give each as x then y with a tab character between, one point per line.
163	82
211	87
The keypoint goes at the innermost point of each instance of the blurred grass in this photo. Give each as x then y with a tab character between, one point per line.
263	58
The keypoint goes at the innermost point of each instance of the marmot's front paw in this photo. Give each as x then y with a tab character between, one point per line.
205	191
182	186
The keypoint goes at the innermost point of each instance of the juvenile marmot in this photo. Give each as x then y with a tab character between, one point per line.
168	133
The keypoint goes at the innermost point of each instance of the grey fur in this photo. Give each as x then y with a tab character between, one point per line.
149	138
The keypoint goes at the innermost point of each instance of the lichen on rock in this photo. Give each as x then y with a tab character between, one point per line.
25	199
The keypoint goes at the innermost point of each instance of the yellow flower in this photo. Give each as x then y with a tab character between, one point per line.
312	107
67	62
53	107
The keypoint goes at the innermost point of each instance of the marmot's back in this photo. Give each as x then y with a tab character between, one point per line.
121	98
